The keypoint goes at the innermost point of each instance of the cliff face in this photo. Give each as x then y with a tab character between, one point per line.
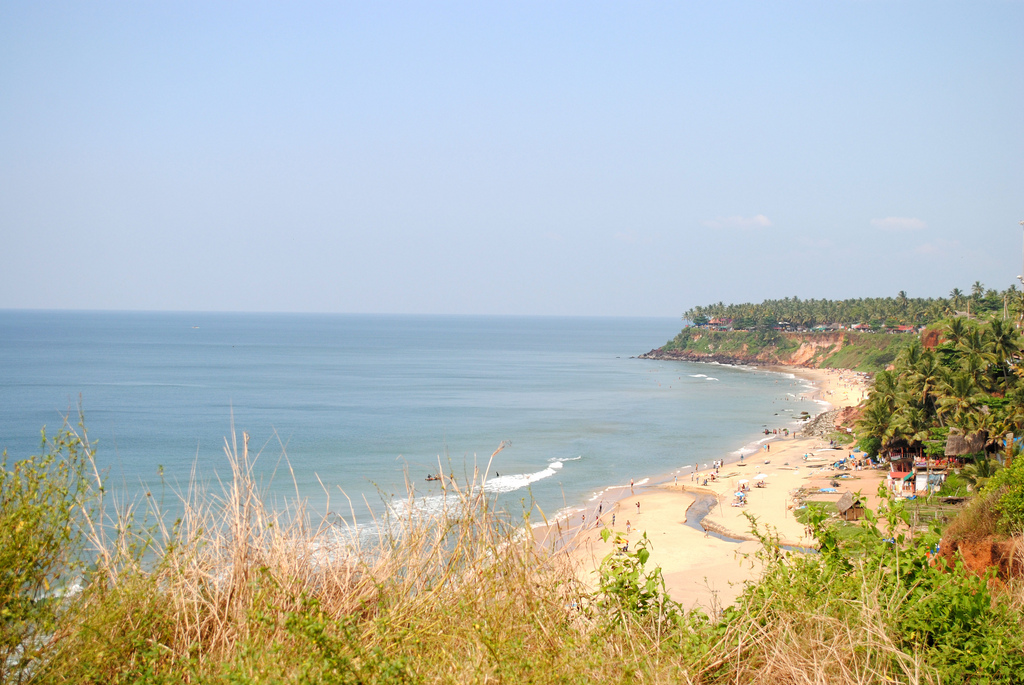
815	348
834	349
792	349
978	556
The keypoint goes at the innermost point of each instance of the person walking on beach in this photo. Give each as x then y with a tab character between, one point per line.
638	507
631	486
628	527
613	520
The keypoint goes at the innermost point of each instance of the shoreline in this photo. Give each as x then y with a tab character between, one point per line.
708	568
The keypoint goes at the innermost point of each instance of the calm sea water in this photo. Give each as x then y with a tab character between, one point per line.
357	402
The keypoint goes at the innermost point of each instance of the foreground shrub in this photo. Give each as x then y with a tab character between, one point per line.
889	613
42	500
234	592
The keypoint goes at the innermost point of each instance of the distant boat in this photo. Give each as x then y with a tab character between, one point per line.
195	327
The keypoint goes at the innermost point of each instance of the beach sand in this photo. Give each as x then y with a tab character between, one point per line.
707	570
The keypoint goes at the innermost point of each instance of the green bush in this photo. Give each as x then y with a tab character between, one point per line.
42	498
870	444
894	597
626	587
1009	482
954	486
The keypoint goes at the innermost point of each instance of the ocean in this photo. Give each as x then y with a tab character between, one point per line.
367	404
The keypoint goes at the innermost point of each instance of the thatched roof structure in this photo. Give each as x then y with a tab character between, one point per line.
958	444
850	509
847	501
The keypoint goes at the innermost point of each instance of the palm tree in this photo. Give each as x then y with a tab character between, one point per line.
957	297
1004	344
885	391
910	425
1013	418
910	355
956	330
975	366
974	352
925	379
959	398
874	422
978	473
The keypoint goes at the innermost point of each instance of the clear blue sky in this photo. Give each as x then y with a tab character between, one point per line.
559	158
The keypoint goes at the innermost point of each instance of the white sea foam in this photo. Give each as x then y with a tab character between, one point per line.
697	375
710	379
518	481
433	505
437	504
636	484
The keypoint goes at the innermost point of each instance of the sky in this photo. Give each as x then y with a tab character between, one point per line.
523	158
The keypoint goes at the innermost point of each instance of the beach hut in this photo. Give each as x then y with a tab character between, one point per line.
850	509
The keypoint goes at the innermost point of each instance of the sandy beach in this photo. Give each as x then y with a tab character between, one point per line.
708	569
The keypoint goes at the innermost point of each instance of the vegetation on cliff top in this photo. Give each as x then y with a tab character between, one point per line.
892	311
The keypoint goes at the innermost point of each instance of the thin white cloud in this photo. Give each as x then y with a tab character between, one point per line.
899	223
626	236
759	221
940	247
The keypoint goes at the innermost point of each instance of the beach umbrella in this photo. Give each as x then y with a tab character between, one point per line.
739	494
760	476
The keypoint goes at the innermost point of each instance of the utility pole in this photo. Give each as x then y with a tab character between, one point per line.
1021	276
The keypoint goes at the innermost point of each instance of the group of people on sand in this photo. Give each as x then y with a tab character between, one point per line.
712	474
598	522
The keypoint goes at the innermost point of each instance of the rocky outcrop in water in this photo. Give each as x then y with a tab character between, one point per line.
690	356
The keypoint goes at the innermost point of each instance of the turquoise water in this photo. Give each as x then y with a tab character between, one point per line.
357	402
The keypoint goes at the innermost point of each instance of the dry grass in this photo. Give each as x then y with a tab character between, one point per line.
977	520
239	593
